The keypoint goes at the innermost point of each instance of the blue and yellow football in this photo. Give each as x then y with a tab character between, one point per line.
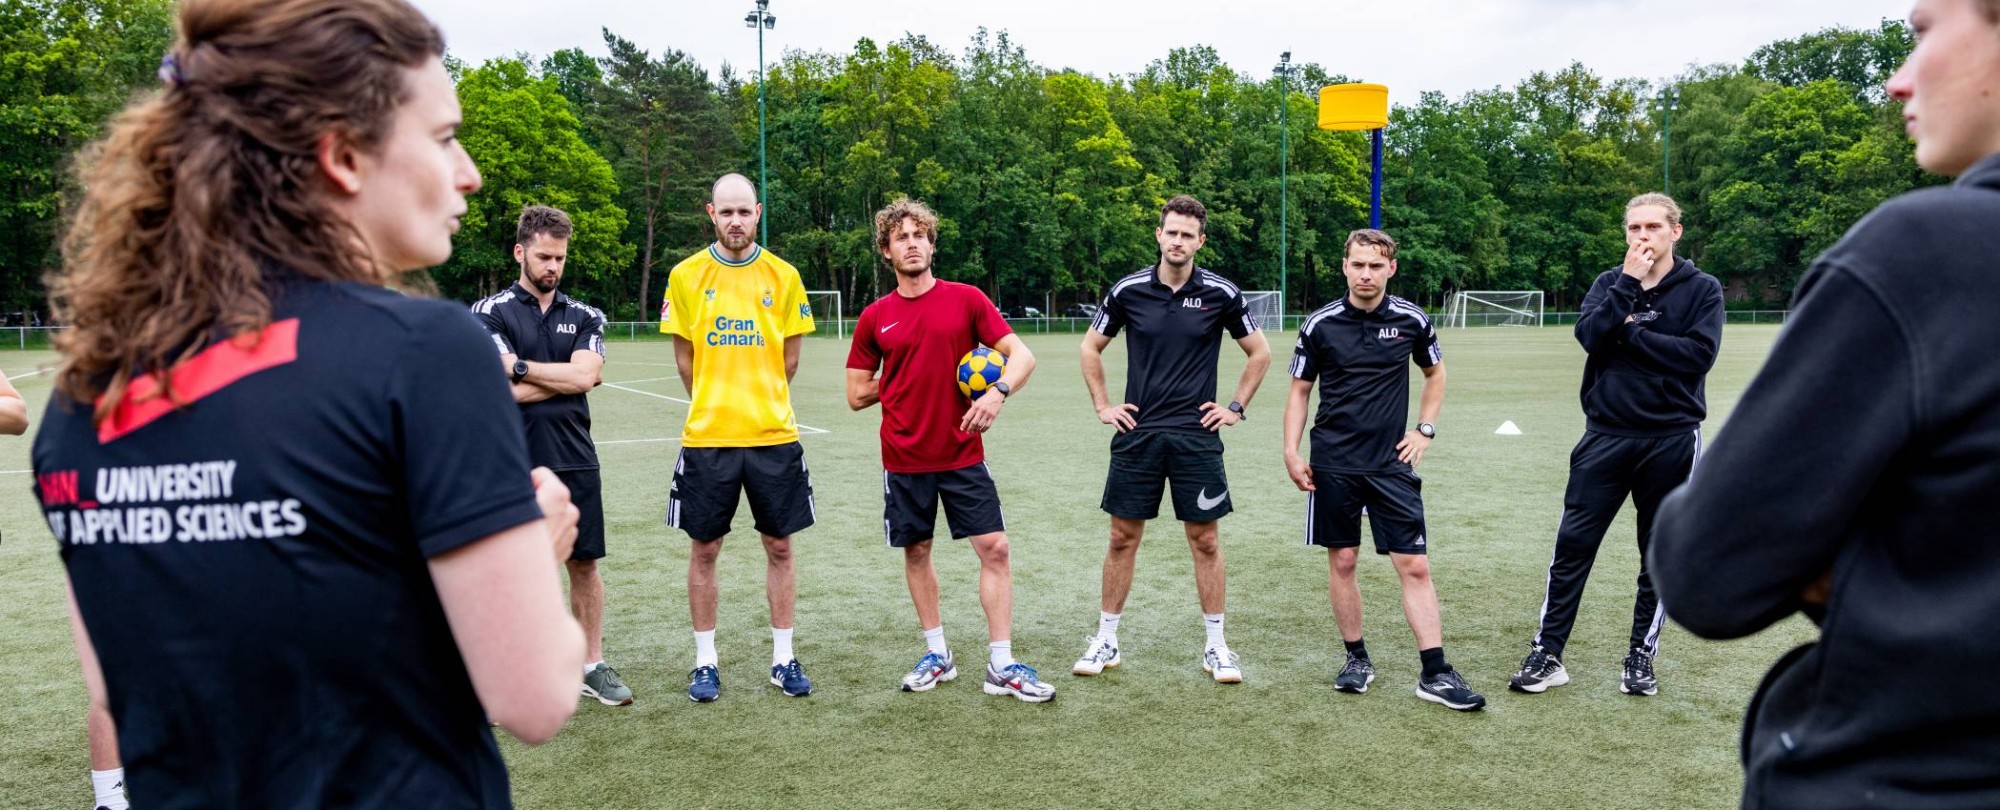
978	370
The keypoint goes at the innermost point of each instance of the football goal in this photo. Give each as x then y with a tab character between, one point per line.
826	311
1267	306
1494	308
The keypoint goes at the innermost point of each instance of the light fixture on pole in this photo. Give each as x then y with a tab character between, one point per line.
1285	72
760	19
1667	98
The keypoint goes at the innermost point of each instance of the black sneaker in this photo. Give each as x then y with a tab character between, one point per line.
1356	676
1639	678
1450	689
1539	672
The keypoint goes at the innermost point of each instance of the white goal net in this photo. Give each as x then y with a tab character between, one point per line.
1267	306
828	316
1494	308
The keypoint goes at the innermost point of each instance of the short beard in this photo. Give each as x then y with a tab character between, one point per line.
738	244
544	289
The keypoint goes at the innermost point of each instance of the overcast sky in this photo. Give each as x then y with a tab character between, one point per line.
1410	45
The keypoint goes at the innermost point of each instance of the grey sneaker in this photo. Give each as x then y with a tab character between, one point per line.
1356	676
602	682
1450	689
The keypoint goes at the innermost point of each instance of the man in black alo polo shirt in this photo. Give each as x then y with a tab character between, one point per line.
1173	315
1359	350
552	348
1651	327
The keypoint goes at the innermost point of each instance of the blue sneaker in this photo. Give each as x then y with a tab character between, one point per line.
791	677
1019	680
704	685
931	670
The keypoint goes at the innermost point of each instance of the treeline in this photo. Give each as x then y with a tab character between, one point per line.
1048	182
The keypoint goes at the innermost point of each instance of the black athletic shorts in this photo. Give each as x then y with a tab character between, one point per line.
1395	504
910	502
586	490
710	481
1144	461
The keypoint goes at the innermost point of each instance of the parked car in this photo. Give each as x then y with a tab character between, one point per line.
1025	312
1081	311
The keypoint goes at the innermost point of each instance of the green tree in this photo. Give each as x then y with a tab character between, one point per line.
668	136
527	143
65	67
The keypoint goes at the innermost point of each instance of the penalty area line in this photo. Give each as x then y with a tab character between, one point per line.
803	429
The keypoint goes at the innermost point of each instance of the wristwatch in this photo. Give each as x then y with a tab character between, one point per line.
1429	430
520	370
1004	389
1237	408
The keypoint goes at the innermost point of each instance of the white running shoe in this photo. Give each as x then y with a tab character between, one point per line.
1098	656
1222	663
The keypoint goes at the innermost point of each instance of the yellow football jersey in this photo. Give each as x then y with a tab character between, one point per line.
737	315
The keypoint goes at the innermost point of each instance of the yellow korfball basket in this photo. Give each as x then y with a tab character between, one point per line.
1359	106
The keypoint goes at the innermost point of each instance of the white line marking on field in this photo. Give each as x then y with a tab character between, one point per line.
638	363
636	382
15	472
638	441
803	429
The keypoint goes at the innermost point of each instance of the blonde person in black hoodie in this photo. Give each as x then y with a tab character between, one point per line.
1858	480
1651	327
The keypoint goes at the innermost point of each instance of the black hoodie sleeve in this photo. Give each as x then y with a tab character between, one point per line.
1692	352
1605	309
1768	507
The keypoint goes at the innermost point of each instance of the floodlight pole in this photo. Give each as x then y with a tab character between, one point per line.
760	19
1284	71
1667	147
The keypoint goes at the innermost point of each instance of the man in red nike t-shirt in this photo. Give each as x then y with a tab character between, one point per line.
931	450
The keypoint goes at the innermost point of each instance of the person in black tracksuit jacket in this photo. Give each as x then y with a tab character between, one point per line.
1651	328
1858	481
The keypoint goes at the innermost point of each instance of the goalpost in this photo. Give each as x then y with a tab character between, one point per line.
826	308
1469	308
1267	306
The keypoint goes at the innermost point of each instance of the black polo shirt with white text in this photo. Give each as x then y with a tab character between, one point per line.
558	427
1173	342
1362	362
251	557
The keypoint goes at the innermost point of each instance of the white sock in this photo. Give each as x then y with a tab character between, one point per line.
110	788
704	649
781	646
1001	653
1213	623
1107	627
934	638
588	667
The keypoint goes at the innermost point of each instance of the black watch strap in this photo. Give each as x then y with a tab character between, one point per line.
1237	408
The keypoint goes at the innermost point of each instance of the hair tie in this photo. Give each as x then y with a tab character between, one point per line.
170	70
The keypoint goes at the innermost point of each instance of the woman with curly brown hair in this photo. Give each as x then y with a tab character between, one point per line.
304	546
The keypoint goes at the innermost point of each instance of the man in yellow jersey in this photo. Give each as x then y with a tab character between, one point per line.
737	314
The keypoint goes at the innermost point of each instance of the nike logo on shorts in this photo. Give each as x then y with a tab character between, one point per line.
1205	503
